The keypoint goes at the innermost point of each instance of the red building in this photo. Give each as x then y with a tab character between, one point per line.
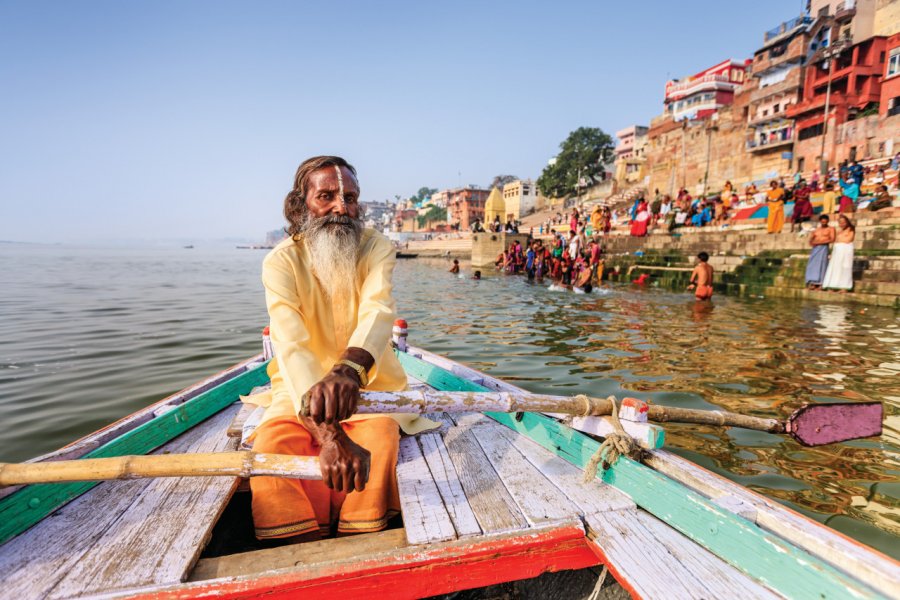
466	205
702	94
855	86
890	85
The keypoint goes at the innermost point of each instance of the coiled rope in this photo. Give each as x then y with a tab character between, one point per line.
616	444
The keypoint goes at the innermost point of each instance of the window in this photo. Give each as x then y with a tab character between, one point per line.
894	62
810	132
775	108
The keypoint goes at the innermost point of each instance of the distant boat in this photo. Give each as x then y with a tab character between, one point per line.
406	255
189	247
255	247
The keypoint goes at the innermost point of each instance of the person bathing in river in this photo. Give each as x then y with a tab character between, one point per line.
331	309
819	239
455	267
702	278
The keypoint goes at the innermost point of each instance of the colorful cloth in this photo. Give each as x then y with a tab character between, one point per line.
839	274
817	265
284	507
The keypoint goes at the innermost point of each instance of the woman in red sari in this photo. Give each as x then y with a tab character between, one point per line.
641	220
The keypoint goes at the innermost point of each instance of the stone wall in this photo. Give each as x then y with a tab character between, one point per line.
677	152
487	246
872	137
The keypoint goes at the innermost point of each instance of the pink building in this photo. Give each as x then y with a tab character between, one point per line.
703	94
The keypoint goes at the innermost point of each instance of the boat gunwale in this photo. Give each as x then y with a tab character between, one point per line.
692	476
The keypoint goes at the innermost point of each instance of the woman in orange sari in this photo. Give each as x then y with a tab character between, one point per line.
775	220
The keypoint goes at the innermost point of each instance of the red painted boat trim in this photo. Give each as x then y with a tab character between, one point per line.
412	572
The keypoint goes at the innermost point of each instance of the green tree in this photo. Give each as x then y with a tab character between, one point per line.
434	214
423	194
501	180
584	152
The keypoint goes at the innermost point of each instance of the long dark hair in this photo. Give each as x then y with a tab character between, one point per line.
850	225
295	202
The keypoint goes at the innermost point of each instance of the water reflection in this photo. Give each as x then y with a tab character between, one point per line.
760	356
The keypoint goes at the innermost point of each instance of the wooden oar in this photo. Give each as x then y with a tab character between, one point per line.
811	424
222	464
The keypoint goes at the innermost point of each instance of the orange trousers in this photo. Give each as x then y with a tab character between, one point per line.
288	507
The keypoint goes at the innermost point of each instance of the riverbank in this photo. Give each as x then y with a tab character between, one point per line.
751	262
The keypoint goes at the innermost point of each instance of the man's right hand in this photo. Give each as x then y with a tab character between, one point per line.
344	464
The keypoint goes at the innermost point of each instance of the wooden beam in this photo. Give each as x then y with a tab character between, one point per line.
32	503
425	517
764	556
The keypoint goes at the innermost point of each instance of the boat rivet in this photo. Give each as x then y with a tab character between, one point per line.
34	503
713	528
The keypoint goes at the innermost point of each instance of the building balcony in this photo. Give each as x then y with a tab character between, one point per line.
770	118
701	84
757	146
845	11
786	28
790	85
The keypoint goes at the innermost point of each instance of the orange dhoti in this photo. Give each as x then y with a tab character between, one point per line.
285	507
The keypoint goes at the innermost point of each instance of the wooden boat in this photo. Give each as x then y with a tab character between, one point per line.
490	498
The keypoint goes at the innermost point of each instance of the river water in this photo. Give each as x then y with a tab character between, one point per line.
88	335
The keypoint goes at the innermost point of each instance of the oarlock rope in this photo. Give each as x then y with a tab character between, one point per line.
616	444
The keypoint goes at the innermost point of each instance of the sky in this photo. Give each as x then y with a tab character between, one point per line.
174	120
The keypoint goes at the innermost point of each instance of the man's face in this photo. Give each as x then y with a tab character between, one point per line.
823	222
323	195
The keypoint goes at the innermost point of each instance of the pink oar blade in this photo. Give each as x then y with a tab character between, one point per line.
820	424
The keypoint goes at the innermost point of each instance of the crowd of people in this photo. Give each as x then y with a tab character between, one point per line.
842	187
572	261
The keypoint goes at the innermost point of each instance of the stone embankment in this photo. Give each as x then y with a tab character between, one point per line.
449	245
751	262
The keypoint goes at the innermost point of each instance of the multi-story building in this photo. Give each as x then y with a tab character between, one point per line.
630	165
441	198
521	198
703	94
845	66
887	23
465	205
778	70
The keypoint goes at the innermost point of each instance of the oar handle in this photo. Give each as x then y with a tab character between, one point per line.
219	464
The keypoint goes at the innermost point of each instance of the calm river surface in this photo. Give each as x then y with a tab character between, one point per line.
88	335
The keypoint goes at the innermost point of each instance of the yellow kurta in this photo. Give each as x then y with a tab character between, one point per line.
303	328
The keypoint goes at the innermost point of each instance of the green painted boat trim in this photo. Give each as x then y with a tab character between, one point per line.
778	564
29	505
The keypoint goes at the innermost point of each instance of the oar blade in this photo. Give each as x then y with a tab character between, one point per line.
820	424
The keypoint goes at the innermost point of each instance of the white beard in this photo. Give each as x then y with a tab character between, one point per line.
333	253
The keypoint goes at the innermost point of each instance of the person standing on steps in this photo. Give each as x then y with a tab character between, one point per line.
839	274
775	197
819	239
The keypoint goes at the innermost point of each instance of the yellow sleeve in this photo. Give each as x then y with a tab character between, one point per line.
376	313
297	362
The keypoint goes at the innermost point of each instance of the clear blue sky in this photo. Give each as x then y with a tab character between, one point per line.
187	119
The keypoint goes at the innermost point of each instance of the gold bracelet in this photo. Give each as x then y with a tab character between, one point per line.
360	371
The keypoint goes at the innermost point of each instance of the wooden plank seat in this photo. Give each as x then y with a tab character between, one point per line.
123	534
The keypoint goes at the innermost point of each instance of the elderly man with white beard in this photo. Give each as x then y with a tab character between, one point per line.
328	293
